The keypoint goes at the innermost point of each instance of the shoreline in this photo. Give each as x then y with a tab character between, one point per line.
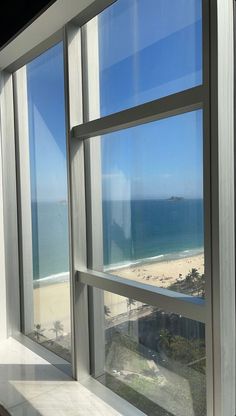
52	297
164	273
52	279
159	259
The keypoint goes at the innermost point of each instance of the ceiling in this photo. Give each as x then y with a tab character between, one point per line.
18	14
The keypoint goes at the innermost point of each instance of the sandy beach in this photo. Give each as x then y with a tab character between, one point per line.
163	273
51	301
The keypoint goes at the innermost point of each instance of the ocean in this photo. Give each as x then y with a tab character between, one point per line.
50	239
133	232
151	229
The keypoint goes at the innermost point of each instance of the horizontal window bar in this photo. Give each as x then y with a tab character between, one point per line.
171	105
188	306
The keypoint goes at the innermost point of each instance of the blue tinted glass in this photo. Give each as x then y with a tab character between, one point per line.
154	360
153	228
147	50
49	208
48	162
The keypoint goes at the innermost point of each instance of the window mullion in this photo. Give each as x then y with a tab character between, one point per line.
91	94
24	191
75	151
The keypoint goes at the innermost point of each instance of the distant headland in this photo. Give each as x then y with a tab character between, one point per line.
175	198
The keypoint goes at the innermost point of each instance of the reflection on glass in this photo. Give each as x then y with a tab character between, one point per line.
153	359
48	175
147	50
152	200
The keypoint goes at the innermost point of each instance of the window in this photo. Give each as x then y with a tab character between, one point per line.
47	291
121	204
144	153
147	51
153	359
138	219
152	203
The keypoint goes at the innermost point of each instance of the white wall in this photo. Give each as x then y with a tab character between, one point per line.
3	323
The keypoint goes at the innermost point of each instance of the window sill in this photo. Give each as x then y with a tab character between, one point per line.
30	385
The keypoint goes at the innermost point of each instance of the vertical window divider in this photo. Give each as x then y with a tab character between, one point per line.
207	204
3	283
10	287
222	206
24	199
75	154
91	95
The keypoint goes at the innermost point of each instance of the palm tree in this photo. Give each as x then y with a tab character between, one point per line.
107	310
202	286
57	328
193	279
193	275
130	302
38	331
165	339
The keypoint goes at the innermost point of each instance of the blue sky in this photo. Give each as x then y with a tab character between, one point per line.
45	78
147	49
156	160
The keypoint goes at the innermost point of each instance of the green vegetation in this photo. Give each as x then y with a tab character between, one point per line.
136	398
165	339
189	352
122	353
193	284
142	376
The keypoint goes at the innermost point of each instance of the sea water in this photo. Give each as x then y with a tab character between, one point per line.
50	239
133	231
151	229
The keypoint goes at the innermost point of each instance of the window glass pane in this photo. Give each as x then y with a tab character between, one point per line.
49	208
152	203
153	359
146	50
